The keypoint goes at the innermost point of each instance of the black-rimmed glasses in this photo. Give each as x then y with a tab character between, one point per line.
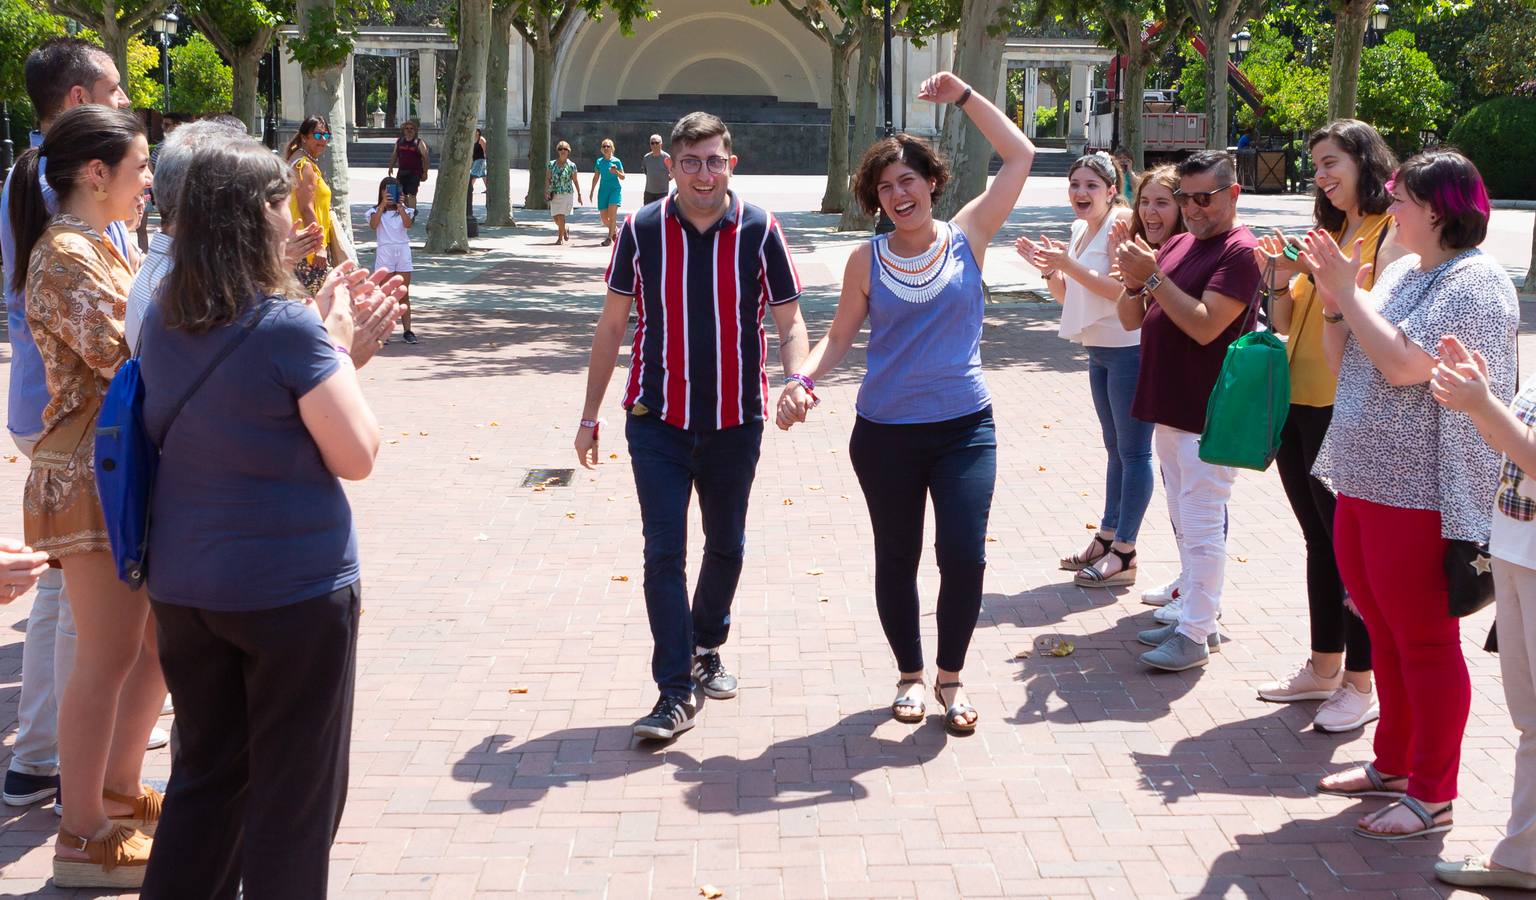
692	165
1201	199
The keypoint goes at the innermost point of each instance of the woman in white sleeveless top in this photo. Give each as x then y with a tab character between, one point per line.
1077	274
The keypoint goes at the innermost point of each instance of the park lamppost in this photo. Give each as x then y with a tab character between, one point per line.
270	128
1242	42
7	147
1380	18
165	29
884	225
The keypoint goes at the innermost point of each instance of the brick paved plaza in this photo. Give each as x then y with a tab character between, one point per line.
505	650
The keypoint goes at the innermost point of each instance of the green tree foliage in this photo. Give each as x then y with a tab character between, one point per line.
1500	137
143	75
115	23
23	24
242	31
1400	91
1504	55
1448	32
200	82
1295	93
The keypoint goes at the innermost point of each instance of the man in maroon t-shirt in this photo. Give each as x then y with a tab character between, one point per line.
1191	299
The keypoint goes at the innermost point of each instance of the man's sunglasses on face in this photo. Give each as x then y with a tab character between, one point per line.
1201	199
692	165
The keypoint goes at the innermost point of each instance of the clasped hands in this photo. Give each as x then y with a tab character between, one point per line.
373	299
794	403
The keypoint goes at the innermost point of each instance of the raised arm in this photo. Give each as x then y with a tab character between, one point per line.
981	218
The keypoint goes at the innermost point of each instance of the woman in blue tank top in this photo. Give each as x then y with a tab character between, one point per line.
924	427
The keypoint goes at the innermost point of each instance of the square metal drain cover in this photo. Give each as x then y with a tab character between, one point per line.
548	477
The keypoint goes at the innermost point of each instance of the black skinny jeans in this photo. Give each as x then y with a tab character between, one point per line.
1335	629
900	467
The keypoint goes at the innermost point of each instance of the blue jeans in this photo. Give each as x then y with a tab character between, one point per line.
1128	441
669	464
900	468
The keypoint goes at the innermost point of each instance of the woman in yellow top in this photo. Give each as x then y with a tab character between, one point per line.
311	200
1352	166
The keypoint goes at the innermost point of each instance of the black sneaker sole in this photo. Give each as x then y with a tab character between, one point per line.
660	733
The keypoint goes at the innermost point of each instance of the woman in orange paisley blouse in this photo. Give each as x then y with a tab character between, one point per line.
94	162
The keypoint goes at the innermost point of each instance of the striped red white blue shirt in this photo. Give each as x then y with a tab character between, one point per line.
700	353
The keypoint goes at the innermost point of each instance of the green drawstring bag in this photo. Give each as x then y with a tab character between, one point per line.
1252	397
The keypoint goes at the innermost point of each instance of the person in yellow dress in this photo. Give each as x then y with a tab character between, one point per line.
310	202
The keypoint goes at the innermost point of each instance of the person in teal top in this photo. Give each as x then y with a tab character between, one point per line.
607	172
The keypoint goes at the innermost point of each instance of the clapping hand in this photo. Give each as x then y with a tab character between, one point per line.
942	87
1136	261
1335	273
302	241
1459	380
1271	249
1046	255
372	298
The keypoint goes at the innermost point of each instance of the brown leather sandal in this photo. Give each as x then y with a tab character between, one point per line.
1078	561
146	809
115	860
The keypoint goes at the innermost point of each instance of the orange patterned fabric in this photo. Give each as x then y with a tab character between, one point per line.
77	296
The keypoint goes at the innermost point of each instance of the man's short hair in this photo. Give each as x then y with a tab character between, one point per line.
175	158
656	138
700	126
227	120
1217	162
57	66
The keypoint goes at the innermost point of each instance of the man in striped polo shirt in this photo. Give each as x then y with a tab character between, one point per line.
699	268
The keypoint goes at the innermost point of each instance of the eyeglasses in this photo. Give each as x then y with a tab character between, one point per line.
1201	199
692	165
320	135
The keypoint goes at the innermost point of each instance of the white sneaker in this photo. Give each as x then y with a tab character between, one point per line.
1170	613
1346	710
1302	684
158	738
168	708
1160	596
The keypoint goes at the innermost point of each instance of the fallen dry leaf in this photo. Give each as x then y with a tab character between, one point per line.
474	458
844	496
788	502
1054	645
1022	654
517	690
710	892
1242	559
1091	527
1039	468
1047	425
823	599
390	441
12	458
813	487
1064	648
495	424
815	571
618	578
541	487
422	433
991	539
570	514
613	456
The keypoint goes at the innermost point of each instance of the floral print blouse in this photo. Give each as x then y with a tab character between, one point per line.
77	297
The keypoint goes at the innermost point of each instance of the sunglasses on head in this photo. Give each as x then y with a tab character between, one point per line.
1201	199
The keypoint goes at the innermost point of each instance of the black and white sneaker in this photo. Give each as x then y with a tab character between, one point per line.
669	718
713	679
23	789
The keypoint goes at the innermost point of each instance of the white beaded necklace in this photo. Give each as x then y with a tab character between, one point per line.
920	278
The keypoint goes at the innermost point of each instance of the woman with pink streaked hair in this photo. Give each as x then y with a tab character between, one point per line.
1412	476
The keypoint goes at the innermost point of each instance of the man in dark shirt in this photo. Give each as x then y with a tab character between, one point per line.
697	267
1191	299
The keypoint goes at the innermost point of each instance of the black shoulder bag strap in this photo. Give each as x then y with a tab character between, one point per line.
230	347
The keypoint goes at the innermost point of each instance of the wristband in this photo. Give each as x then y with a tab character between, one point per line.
802	380
1332	318
593	424
964	97
342	350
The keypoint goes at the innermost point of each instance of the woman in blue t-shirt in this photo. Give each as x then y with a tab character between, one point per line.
924	427
607	173
255	404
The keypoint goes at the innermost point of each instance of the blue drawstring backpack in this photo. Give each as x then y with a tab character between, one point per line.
127	458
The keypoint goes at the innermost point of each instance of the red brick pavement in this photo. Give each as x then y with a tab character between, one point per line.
1088	775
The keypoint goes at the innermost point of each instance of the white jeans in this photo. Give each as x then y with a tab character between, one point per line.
1197	504
47	656
1515	588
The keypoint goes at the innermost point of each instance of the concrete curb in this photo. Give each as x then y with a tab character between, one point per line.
1513	204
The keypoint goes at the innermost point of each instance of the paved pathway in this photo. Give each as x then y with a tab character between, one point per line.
505	653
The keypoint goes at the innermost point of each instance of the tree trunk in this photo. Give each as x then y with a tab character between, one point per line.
115	41
1530	272
247	67
538	118
1132	139
1218	52
323	97
836	197
978	62
447	230
866	115
1350	19
498	145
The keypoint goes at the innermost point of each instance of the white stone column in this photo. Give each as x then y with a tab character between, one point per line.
402	88
515	82
349	93
427	71
291	77
1080	81
1031	96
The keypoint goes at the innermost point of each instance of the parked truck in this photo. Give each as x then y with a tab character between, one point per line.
1167	131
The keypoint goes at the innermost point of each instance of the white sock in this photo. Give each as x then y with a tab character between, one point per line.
700	651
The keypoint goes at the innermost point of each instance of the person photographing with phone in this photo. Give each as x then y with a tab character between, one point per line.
391	222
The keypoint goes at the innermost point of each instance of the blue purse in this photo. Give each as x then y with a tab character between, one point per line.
127	459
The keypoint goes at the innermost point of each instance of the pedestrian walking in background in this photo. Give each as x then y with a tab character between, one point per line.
564	190
413	158
658	171
477	162
608	189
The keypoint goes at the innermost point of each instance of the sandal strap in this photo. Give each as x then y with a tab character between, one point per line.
1377	782
946	685
1419	809
1092	573
907	681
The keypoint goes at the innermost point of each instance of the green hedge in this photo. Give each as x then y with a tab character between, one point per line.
1500	137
